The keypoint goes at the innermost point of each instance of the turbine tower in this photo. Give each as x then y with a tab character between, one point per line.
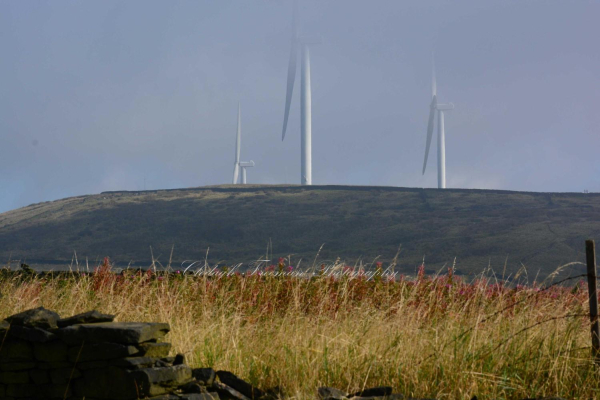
439	108
238	145
305	96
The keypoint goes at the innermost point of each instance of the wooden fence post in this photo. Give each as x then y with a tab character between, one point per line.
590	255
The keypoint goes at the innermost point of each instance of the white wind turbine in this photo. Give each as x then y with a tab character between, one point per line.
440	108
238	145
305	97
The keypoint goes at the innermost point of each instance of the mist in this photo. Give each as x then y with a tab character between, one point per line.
136	95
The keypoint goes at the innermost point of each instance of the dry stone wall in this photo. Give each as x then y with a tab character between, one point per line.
89	356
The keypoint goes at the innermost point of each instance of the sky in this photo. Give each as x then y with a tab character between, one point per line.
112	95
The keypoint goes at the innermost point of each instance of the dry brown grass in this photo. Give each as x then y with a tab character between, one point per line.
350	333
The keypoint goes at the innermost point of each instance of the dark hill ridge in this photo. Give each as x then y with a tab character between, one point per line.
478	227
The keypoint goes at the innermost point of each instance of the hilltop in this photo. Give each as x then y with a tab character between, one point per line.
477	227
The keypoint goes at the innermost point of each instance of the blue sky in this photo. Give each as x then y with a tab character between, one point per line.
108	95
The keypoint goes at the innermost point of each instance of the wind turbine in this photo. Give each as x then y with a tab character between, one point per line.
238	145
305	97
439	108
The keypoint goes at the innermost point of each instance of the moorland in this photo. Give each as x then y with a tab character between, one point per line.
474	229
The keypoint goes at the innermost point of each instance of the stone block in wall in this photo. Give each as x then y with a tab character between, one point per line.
114	332
54	365
50	352
240	385
30	334
15	350
157	381
90	317
92	365
64	375
204	375
39	376
99	351
150	349
135	362
229	393
188	396
106	383
35	318
16	390
16	365
48	391
14	377
120	384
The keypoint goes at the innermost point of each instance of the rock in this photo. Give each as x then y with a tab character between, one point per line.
390	397
227	393
90	317
21	390
204	375
14	377
199	396
115	332
165	362
54	365
51	351
39	377
35	318
64	375
193	387
92	365
13	350
179	359
157	381
153	349
106	383
240	385
99	351
17	366
190	396
379	391
4	327
326	392
30	334
135	362
54	391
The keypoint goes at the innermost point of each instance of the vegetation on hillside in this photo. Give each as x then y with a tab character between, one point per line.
478	228
435	336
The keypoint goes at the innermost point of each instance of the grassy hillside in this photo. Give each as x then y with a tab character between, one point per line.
478	227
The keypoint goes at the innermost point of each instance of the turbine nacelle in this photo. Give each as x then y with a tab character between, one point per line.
243	165
300	44
440	108
237	164
444	107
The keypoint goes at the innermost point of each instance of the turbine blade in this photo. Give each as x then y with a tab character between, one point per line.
433	80
432	109
291	77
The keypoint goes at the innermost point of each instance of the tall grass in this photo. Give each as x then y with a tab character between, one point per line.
426	336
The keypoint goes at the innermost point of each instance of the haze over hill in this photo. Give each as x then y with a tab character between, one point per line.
477	227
